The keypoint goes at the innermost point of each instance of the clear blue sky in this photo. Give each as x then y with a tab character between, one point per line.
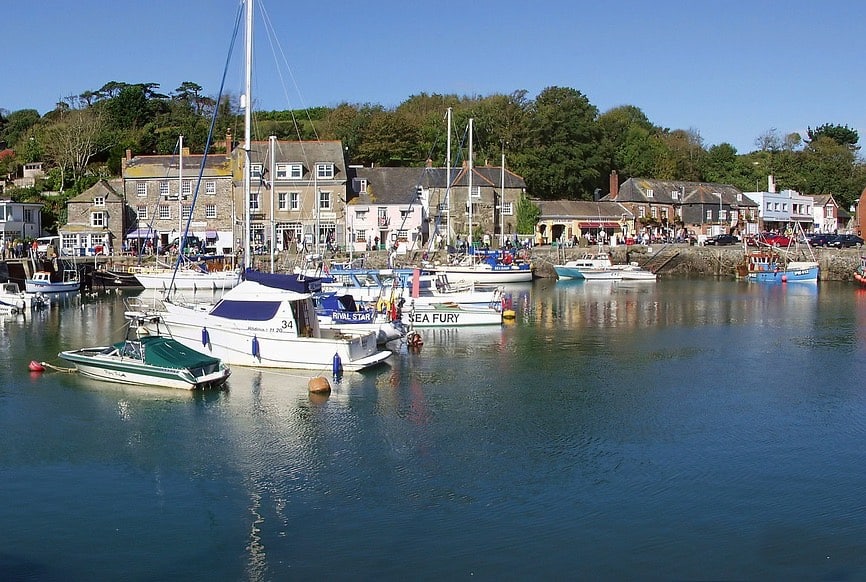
730	70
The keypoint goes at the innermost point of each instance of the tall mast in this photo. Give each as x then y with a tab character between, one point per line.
502	200
247	104
180	237
470	185
448	233
273	152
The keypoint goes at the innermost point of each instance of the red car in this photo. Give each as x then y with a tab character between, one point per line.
770	239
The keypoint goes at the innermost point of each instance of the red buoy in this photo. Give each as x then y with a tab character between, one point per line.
36	366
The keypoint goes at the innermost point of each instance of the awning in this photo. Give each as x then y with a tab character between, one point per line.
142	233
599	225
210	235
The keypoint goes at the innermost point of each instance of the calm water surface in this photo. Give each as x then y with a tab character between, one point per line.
687	429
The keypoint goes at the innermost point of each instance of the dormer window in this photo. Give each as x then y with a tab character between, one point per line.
256	171
649	193
675	194
291	171
324	171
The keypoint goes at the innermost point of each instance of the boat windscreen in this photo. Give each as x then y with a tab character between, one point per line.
251	310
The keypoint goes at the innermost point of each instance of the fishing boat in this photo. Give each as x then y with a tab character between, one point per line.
112	278
46	282
770	265
152	360
860	272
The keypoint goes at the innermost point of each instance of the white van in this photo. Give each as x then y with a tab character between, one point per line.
43	242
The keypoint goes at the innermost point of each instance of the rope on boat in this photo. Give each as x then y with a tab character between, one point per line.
58	368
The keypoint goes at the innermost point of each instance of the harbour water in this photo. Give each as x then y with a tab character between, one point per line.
687	429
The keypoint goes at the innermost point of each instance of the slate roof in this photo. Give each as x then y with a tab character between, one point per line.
306	152
581	210
101	188
635	190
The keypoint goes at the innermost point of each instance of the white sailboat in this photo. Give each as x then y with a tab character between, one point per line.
267	320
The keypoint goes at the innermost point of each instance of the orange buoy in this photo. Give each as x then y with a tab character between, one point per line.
319	385
36	366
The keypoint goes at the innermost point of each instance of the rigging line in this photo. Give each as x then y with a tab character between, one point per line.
276	46
183	235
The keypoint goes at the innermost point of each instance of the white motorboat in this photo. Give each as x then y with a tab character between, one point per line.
150	360
189	276
449	315
267	321
574	269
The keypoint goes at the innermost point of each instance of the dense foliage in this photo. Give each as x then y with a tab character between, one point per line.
559	142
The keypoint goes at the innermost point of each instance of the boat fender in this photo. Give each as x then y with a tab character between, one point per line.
337	366
35	366
784	278
383	305
394	314
413	339
256	352
205	337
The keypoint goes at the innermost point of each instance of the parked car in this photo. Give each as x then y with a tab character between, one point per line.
844	241
771	239
819	239
722	239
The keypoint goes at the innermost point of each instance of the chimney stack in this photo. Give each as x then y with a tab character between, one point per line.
614	185
228	143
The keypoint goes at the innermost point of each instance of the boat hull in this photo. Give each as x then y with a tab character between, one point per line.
90	362
450	315
498	276
805	275
185	281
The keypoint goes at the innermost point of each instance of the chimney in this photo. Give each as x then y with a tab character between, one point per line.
429	163
614	185
228	142
771	184
128	155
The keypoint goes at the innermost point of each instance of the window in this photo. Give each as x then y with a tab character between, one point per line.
324	200
784	206
254	200
210	188
282	200
361	236
675	194
187	211
654	212
507	208
141	211
649	193
402	234
28	215
141	188
739	197
99	200
256	171
476	192
164	211
292	171
723	215
210	211
405	213
709	215
324	171
442	207
641	212
294	201
186	187
163	188
97	219
360	185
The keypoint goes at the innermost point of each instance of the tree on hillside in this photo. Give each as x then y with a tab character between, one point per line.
627	143
390	140
17	126
561	158
71	143
841	134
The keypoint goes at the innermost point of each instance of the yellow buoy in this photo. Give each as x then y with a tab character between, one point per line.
319	385
508	314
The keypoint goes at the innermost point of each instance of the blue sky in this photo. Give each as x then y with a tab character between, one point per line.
730	70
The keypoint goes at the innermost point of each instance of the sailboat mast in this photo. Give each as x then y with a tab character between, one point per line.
449	232
470	185
180	236
502	200
273	152
247	105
